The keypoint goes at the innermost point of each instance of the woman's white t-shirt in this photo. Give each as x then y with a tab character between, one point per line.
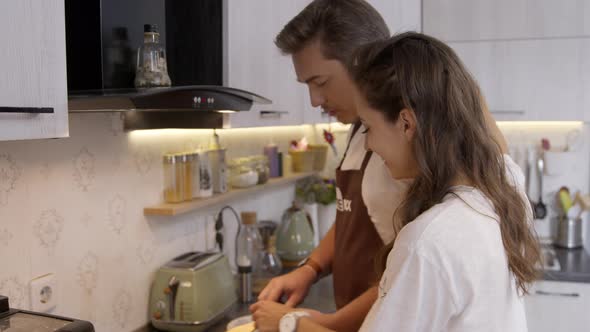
448	271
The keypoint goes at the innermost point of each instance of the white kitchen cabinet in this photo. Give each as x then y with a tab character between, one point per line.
400	15
533	80
33	66
255	64
586	80
558	306
468	20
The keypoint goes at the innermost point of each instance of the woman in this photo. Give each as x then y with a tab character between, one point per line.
463	253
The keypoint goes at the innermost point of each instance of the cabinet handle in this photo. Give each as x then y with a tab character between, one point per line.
508	111
272	114
540	292
28	110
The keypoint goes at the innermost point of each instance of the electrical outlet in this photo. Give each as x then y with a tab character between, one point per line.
43	292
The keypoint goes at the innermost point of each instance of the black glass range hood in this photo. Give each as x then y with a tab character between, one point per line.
102	38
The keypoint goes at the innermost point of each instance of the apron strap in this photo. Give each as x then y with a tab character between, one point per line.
355	128
368	155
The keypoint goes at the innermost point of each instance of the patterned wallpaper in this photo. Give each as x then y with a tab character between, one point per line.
74	207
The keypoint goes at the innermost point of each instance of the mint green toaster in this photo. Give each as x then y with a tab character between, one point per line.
192	292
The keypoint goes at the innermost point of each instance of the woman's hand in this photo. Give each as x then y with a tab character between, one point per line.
267	315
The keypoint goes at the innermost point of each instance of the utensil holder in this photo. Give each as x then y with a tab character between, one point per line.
569	233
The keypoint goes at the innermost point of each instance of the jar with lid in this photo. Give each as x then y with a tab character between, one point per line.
186	160
262	167
174	178
242	173
152	69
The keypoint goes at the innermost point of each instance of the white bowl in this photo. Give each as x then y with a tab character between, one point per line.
239	321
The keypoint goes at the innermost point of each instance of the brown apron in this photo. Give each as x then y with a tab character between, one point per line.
356	239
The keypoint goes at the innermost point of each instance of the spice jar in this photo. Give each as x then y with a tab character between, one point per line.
174	178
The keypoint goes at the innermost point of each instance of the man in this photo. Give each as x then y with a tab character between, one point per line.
321	40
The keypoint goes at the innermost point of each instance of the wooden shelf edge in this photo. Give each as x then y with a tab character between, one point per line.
175	209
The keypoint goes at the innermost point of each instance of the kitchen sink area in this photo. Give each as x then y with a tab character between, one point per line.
571	265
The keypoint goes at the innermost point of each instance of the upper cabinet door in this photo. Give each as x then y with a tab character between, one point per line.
542	80
255	64
463	20
586	79
33	66
400	15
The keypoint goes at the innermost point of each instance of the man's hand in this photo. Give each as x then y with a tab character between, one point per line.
293	285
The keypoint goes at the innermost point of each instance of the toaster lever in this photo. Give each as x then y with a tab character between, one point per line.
173	287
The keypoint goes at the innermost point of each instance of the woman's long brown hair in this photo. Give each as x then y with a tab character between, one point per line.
421	73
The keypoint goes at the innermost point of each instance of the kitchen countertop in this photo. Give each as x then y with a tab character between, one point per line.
574	265
320	297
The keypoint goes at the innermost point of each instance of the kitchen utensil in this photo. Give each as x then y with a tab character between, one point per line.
192	292
540	207
569	233
565	199
294	236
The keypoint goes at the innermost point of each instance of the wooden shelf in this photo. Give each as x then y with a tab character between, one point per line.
174	209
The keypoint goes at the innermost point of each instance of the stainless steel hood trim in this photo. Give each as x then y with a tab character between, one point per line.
184	97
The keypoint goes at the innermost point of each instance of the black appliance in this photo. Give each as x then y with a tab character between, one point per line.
102	38
22	320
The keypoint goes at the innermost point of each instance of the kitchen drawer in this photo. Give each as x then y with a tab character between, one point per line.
558	306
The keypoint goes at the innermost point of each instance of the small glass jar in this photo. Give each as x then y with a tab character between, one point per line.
174	178
261	165
242	173
196	172
186	160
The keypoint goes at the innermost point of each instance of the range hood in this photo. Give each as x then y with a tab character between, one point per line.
102	38
198	106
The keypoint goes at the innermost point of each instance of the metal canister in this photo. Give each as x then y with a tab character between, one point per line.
569	233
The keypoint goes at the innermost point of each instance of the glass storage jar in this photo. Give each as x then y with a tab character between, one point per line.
174	178
262	167
242	173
